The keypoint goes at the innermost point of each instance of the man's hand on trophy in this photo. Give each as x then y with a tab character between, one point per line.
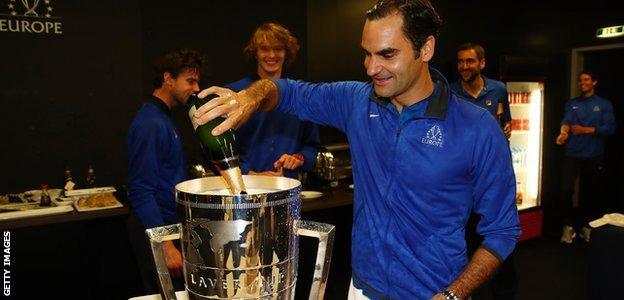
236	107
173	258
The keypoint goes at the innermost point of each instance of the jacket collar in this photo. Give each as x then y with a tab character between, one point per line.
160	104
459	89
437	106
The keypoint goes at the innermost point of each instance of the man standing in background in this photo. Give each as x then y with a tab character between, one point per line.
586	121
156	158
273	142
491	95
478	89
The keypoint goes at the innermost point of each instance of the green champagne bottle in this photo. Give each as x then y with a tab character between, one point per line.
221	150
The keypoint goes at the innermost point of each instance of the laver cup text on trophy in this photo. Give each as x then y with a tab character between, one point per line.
241	246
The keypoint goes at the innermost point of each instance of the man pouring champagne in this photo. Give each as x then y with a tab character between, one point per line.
423	160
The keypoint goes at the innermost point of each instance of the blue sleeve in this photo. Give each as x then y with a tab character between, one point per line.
237	86
607	123
322	103
142	172
495	190
505	101
568	115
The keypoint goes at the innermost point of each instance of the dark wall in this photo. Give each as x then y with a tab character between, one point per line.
69	98
65	98
334	35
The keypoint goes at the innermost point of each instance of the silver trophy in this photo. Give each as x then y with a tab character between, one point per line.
243	246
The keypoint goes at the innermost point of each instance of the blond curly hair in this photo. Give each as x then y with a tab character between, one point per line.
272	32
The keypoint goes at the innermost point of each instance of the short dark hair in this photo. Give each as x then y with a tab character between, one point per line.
472	46
590	73
420	20
272	32
176	62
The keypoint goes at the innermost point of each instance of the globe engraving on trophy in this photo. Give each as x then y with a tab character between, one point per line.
239	246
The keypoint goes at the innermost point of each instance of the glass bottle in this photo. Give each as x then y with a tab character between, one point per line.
90	180
45	196
68	182
220	150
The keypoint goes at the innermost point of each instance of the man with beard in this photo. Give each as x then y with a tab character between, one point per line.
586	121
478	89
423	160
156	159
491	95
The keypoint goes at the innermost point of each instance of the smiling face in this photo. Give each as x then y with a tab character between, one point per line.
270	56
586	84
396	70
469	65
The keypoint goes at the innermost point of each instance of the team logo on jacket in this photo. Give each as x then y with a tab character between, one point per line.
488	102
434	137
596	108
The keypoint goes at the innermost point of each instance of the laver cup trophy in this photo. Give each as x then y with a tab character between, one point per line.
241	246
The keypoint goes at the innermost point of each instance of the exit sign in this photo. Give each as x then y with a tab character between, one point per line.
609	32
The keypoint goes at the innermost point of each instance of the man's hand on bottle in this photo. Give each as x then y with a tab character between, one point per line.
237	107
173	258
289	161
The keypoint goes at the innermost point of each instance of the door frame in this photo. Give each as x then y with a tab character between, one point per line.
578	63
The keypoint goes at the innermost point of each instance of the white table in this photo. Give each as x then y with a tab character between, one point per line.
181	295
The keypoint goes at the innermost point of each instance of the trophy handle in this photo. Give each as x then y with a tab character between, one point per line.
325	234
156	236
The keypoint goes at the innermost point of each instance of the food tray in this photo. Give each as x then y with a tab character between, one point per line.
30	197
82	209
114	203
309	195
31	210
91	191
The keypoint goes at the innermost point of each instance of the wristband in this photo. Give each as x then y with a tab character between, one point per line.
449	295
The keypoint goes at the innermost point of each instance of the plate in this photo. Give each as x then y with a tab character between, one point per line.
310	195
34	212
113	202
36	194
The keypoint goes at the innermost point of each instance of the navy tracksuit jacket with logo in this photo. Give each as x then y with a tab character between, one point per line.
594	112
416	182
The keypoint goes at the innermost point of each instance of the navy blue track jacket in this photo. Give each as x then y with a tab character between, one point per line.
416	182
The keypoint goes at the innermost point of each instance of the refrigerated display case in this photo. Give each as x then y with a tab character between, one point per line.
526	101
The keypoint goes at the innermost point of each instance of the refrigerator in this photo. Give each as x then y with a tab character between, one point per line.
526	103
